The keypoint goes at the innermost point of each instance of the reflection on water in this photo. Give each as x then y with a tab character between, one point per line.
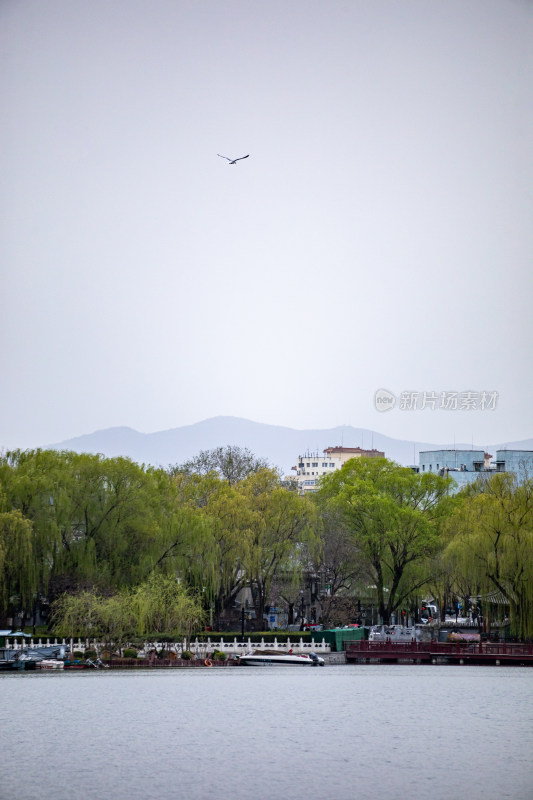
369	731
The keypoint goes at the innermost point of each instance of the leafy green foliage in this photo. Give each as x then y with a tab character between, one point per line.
283	531
394	517
18	578
162	605
128	551
492	543
218	655
159	605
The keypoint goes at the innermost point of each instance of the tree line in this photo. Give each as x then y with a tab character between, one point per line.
171	549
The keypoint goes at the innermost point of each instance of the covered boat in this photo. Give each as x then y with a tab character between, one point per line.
32	658
9	660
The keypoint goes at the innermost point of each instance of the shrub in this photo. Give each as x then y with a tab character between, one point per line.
219	656
91	654
77	654
130	652
187	655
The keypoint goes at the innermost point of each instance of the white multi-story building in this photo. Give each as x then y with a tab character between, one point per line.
311	466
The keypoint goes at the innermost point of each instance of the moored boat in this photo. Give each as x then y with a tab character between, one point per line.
37	657
50	663
266	659
9	660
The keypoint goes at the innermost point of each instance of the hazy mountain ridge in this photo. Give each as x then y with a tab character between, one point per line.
280	445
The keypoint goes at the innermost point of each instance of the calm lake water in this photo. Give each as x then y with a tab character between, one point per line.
367	731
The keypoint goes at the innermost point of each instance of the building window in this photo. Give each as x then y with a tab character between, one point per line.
308	464
315	463
324	464
437	466
301	464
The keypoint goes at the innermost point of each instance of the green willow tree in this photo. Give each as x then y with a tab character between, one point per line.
160	605
36	483
102	522
163	605
283	533
394	517
182	544
219	546
258	533
18	574
492	545
114	523
79	615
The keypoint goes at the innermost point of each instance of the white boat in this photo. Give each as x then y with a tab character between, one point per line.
50	663
265	659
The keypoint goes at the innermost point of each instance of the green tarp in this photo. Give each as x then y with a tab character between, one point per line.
337	636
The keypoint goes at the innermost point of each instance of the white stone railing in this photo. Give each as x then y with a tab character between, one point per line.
237	647
199	648
43	643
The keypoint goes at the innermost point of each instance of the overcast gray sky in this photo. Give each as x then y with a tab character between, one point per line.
379	236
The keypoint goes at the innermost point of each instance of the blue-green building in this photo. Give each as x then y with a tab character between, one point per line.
466	466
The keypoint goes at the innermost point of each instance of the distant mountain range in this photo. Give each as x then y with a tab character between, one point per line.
280	445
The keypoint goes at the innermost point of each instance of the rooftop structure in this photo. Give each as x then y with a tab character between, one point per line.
520	462
466	466
311	466
346	453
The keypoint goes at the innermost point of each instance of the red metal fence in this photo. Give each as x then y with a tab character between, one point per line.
475	652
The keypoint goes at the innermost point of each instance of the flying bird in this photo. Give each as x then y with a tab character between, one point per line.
233	160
